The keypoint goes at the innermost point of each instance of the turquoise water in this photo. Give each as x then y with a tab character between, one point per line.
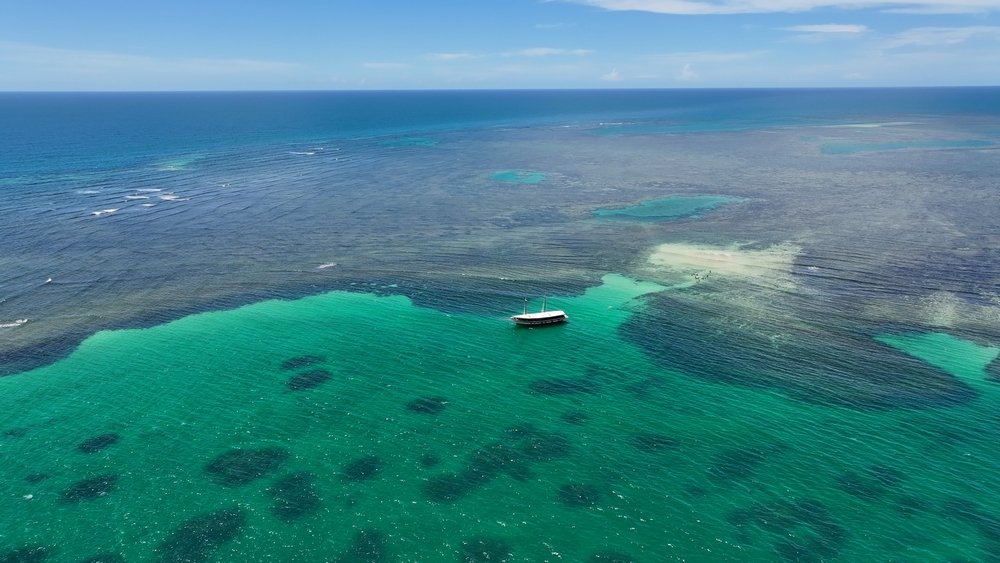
518	176
673	207
259	327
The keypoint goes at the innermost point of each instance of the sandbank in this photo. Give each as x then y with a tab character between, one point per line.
704	261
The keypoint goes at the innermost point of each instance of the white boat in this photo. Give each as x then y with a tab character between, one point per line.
541	318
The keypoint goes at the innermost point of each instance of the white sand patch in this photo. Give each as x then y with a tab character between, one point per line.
773	264
942	309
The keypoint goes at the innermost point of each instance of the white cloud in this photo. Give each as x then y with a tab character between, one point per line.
825	32
101	62
832	28
699	7
384	66
687	73
612	76
707	57
452	56
937	36
549	52
31	67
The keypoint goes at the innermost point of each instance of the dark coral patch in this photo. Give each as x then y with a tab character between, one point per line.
565	386
648	442
972	513
90	489
368	546
26	554
301	362
489	462
993	370
908	505
579	495
860	486
362	469
36	478
575	417
611	557
98	443
482	549
735	464
429	460
295	496
522	446
449	487
18	432
242	466
886	476
427	405
519	431
544	446
696	491
105	558
804	549
308	380
200	537
803	530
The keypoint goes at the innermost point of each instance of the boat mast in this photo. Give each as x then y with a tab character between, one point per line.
525	305
544	301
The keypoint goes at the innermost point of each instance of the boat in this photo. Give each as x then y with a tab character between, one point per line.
541	318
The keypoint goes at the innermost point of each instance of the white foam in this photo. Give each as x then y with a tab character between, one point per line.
134	197
149	205
13	324
88	192
104	212
146	190
325	266
303	153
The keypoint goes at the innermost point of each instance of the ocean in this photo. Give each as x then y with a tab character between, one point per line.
275	326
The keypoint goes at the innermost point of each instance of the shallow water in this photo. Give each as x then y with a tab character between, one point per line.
296	346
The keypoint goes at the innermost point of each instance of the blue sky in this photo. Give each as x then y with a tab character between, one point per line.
414	44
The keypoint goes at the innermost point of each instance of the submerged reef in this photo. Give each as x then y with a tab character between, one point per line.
295	496
649	442
308	380
993	370
705	338
369	546
98	443
301	362
200	537
802	530
362	469
579	495
26	554
482	549
611	557
89	489
242	466
427	405
520	447
105	558
564	386
737	464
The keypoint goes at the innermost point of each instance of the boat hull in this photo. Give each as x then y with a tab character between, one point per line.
537	319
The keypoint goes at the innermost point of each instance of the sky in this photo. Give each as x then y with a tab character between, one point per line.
160	45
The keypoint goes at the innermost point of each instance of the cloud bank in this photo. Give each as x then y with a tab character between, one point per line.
706	7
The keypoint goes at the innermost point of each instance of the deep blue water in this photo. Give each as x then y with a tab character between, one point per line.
45	133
